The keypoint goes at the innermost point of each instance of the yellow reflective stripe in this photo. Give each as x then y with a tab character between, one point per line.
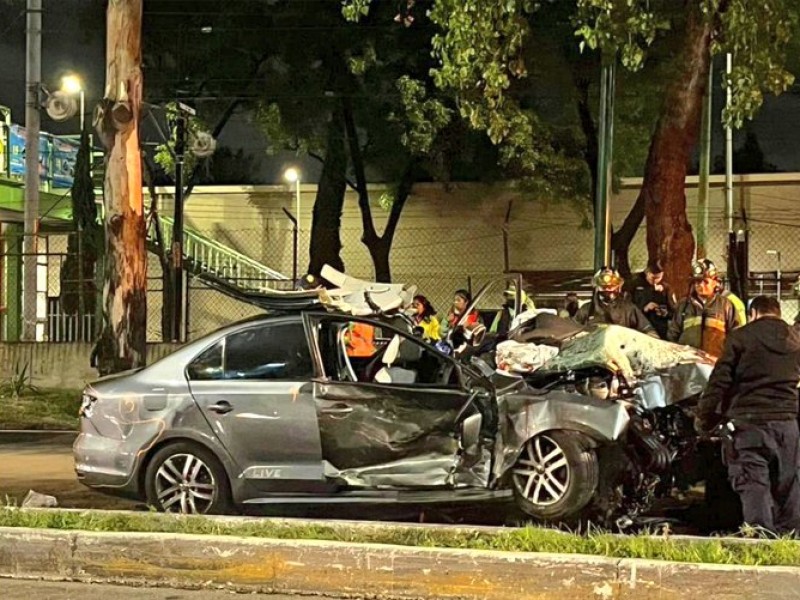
711	323
690	322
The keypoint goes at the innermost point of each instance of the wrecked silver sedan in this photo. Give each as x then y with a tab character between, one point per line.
313	406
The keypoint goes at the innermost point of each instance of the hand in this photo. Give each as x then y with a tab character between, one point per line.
650	306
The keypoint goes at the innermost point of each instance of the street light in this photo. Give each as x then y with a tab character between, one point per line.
292	175
71	84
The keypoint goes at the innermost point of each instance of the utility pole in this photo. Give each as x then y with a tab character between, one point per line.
602	212
705	166
177	226
33	76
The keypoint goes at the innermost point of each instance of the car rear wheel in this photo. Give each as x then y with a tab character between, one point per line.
187	478
555	476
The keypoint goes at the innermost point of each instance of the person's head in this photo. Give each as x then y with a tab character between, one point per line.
705	278
764	306
654	273
571	304
422	307
461	300
607	284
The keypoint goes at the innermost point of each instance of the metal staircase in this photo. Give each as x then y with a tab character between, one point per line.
221	267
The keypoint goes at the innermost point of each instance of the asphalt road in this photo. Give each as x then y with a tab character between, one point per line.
20	589
42	462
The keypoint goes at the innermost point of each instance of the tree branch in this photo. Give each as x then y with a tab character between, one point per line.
223	121
370	236
407	180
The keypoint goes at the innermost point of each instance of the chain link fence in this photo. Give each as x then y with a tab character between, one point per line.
438	255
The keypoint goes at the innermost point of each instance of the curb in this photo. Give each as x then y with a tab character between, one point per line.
372	570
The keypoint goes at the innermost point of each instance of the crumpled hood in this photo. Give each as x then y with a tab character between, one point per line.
775	335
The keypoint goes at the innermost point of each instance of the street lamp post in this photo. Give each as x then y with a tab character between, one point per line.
292	175
72	84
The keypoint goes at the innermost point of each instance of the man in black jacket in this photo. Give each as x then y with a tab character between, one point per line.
653	297
754	386
610	306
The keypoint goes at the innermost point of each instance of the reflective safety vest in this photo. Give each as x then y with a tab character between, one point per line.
703	325
741	309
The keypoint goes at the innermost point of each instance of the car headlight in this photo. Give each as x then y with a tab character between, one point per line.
87	406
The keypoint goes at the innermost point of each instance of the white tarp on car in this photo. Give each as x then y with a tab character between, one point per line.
626	351
517	357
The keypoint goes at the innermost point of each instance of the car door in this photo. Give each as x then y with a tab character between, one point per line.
254	388
386	422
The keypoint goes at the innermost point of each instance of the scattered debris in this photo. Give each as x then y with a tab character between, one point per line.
37	500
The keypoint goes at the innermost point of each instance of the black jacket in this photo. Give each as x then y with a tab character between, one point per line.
620	312
755	379
642	294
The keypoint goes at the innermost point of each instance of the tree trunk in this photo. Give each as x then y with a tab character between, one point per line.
123	341
379	247
326	246
669	234
622	238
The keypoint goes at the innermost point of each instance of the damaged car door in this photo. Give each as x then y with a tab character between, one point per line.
389	411
254	388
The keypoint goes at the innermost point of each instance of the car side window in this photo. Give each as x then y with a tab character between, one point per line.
266	352
389	359
207	366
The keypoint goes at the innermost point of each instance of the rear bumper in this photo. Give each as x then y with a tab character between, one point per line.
107	465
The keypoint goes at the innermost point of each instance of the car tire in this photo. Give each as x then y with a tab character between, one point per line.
555	477
187	478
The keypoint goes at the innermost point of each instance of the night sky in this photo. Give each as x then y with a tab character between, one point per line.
66	48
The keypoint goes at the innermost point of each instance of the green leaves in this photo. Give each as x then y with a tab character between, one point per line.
757	34
623	27
422	117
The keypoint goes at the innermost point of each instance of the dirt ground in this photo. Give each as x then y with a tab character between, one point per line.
43	462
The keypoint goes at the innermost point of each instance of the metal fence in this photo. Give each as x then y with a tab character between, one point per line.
438	258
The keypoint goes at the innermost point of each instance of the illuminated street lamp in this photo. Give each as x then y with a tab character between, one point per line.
71	84
292	175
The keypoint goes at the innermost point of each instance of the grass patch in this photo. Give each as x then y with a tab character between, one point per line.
40	409
782	552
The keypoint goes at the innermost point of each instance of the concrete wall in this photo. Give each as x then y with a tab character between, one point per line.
58	365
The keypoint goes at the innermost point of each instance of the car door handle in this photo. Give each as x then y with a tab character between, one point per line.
221	407
337	409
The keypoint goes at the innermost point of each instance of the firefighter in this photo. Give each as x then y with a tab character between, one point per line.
608	305
705	317
754	389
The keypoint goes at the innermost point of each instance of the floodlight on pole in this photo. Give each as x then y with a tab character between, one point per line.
292	175
72	84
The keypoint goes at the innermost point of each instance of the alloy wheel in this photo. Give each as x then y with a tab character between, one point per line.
185	484
542	474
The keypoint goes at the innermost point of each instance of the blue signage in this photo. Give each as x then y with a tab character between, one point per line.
57	157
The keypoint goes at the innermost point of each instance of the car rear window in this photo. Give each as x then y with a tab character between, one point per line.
266	352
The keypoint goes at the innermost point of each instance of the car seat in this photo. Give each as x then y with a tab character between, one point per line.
403	369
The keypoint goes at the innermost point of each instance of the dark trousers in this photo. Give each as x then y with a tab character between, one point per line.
763	462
